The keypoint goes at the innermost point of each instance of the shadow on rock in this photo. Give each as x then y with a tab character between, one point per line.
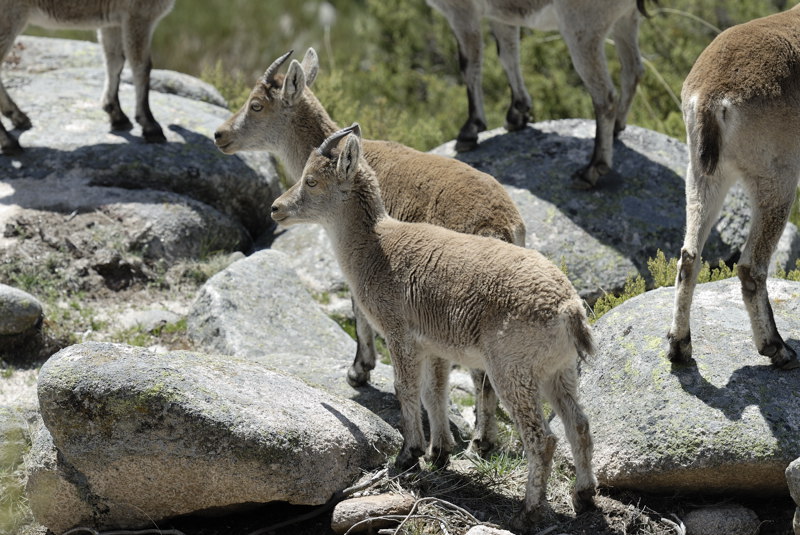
747	386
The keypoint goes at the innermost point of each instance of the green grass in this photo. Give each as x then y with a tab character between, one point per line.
141	337
393	66
499	465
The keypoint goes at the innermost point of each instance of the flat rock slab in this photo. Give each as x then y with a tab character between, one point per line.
604	235
142	436
727	423
82	153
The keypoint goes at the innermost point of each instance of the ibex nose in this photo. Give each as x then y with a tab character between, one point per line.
217	135
277	216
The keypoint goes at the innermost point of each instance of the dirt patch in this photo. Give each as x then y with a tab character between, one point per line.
87	269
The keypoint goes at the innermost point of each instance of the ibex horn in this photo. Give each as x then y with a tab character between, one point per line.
272	70
330	142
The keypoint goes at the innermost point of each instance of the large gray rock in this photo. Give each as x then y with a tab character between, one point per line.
19	311
310	254
258	309
81	155
728	422
607	234
177	228
137	437
793	479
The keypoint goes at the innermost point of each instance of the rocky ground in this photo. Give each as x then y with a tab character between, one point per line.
117	239
490	491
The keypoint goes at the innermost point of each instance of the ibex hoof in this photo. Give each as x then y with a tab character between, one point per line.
584	179
21	122
466	144
154	136
517	119
121	125
356	379
583	500
438	457
781	355
480	447
12	149
408	458
525	521
680	351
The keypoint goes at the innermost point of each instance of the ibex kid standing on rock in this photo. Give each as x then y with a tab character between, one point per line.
436	294
284	117
125	30
741	105
584	25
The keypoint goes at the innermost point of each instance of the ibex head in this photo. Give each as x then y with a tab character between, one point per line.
327	180
262	122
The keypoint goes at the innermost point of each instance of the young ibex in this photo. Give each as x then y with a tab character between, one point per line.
125	31
584	25
284	117
436	294
741	105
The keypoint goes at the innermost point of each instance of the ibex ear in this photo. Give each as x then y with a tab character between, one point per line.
310	66
293	83
347	165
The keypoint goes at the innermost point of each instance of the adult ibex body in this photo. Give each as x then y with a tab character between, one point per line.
741	105
439	295
283	116
584	25
125	28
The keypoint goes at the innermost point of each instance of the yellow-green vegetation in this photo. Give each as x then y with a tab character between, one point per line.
347	324
170	333
14	511
792	274
393	66
663	273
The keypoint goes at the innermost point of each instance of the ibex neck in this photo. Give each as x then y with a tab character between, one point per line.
312	125
353	229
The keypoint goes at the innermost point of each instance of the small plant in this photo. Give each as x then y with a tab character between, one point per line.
792	275
633	286
663	273
499	467
662	270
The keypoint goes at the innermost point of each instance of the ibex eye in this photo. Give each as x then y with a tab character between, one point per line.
256	106
311	182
